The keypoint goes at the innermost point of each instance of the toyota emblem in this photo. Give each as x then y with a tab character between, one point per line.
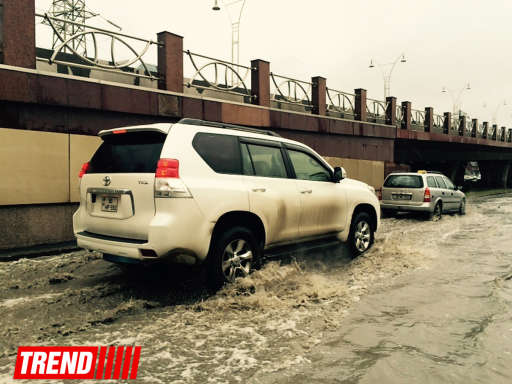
107	180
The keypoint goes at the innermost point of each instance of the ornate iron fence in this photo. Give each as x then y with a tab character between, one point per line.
376	110
290	91
399	115
439	121
219	75
93	35
341	102
417	118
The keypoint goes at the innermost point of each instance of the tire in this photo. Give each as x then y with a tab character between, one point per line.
234	253
437	214
361	235
462	208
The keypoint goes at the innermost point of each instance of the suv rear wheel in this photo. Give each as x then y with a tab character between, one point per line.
234	253
361	235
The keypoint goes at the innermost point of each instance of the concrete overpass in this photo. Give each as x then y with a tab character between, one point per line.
52	104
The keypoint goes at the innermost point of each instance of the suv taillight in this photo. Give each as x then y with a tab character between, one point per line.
167	180
168	168
84	169
426	196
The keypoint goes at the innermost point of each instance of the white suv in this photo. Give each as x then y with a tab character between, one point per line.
200	192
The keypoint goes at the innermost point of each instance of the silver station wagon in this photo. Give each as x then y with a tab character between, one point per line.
428	192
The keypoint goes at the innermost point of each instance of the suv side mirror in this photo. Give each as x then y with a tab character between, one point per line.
339	174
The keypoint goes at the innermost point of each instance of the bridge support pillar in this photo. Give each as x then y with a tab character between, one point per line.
447	123
17	33
429	119
260	82
485	130
496	174
462	125
170	62
360	104
406	115
474	127
391	110
318	96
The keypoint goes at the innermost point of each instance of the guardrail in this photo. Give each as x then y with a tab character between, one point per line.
215	74
341	102
290	91
417	118
376	110
93	36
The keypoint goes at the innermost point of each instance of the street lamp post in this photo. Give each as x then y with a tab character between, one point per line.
496	110
235	15
387	70
456	96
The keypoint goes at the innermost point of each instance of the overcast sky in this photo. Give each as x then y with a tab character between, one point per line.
446	43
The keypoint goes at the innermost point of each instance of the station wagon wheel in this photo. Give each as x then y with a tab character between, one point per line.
462	208
234	253
361	235
438	213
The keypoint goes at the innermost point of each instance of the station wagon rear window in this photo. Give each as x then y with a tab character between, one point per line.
135	152
404	181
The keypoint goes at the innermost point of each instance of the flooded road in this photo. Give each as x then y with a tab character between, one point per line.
430	303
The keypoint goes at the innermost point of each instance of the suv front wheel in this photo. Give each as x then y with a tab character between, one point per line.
234	253
361	235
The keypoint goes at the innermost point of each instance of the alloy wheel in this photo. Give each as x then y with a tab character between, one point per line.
236	260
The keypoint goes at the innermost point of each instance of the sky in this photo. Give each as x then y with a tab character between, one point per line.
447	43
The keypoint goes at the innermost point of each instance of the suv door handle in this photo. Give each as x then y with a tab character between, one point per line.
305	191
259	190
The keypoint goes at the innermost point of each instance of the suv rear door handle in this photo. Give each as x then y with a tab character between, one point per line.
259	190
306	191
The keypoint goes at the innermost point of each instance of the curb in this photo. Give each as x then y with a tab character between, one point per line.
37	251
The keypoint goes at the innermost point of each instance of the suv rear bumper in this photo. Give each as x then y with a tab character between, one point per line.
423	207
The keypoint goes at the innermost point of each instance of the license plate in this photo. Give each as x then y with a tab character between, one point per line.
401	196
109	203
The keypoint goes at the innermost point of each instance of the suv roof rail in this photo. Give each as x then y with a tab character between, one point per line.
227	126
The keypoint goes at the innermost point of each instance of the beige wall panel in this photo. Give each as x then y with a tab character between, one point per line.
370	172
81	150
33	167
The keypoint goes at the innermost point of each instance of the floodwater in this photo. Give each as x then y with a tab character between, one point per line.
430	303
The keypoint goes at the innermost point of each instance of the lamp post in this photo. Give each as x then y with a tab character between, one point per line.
456	96
235	15
496	110
387	70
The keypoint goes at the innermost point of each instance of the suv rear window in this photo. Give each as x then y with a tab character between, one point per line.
221	152
404	181
136	152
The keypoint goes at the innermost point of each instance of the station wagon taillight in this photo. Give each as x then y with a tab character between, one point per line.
426	196
168	168
84	169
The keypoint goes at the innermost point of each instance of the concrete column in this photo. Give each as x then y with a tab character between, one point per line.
429	119
260	82
391	110
17	33
360	104
485	131
502	133
406	114
474	127
318	96
447	123
494	132
462	125
170	62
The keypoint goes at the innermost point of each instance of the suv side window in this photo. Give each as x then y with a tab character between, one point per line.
247	167
307	167
440	182
267	161
221	152
431	182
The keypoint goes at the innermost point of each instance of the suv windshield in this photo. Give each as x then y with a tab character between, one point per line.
404	181
136	152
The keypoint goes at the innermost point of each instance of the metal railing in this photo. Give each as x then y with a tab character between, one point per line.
341	102
92	35
439	121
376	110
399	114
290	91
216	74
417	117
